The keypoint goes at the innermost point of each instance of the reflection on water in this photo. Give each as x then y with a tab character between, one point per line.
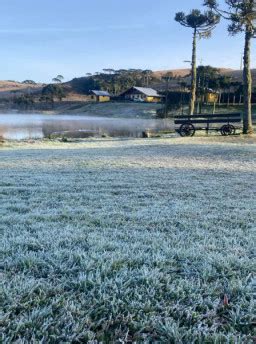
34	126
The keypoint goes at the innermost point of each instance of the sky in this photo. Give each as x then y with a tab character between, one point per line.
41	39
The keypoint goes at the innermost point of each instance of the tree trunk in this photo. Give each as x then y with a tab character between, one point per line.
247	126
214	108
193	77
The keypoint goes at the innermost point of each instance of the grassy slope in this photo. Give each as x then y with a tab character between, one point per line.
132	240
112	109
7	88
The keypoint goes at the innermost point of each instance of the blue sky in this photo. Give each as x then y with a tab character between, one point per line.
40	39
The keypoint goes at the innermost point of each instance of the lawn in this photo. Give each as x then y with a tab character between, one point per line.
124	241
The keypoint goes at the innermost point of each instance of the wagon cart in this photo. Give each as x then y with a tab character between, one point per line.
226	124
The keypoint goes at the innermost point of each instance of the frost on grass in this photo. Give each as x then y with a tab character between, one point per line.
132	241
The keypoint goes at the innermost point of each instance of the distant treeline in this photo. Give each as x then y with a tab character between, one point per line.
114	81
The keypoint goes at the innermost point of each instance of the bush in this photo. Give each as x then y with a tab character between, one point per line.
53	91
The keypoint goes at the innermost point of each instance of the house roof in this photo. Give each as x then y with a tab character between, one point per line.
100	93
150	92
210	90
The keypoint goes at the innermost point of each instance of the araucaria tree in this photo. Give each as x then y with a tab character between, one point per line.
242	17
202	24
59	78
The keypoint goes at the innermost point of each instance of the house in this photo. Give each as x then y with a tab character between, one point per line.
142	94
99	96
211	96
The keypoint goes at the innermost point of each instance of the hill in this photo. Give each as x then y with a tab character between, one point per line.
236	75
176	72
77	88
81	85
184	72
9	88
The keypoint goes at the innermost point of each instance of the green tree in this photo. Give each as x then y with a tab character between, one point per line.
167	78
29	82
53	91
207	77
202	25
59	78
242	17
224	82
108	70
147	74
24	101
236	86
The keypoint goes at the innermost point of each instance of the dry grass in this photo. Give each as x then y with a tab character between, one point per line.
8	86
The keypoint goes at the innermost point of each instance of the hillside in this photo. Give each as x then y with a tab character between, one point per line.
78	85
235	74
238	75
110	109
176	72
184	72
10	88
77	88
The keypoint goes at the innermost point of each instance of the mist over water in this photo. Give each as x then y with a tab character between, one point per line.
36	126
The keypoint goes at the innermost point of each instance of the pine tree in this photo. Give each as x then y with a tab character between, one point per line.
242	17
202	25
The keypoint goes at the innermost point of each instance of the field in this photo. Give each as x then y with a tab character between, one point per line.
124	241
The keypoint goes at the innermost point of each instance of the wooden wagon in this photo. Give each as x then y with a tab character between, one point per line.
226	124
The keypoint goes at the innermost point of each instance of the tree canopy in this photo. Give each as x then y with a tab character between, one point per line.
59	78
29	82
202	22
241	13
53	91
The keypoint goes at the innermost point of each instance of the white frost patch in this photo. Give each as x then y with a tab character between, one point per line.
140	239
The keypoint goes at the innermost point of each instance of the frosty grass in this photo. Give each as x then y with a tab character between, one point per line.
124	241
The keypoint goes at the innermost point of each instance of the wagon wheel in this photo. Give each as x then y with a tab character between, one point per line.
227	129
222	130
233	129
187	129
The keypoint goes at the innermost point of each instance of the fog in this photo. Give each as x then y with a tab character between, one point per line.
35	126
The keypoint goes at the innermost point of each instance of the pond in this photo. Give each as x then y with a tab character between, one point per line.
35	126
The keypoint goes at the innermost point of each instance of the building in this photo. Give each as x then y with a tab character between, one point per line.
211	96
142	94
99	96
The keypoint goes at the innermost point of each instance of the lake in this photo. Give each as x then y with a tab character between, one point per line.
37	126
